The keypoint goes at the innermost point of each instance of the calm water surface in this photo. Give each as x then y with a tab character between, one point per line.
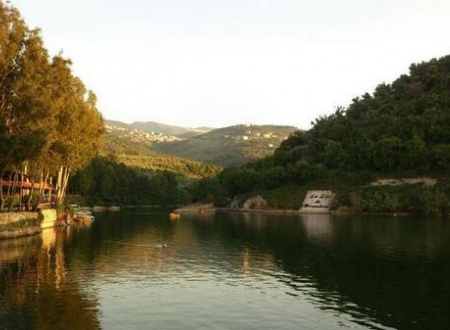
229	271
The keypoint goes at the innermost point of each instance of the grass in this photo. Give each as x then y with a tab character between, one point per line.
21	224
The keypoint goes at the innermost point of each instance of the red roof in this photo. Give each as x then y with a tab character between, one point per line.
26	184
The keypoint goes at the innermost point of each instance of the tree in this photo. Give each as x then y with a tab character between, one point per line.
48	119
79	129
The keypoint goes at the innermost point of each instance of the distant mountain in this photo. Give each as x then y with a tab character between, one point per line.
132	147
229	146
122	138
117	123
151	126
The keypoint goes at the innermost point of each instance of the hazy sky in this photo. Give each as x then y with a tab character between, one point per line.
224	62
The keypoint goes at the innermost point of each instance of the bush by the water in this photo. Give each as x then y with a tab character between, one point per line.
434	201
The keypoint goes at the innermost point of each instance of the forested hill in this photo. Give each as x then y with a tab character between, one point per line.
132	147
400	130
229	146
403	127
233	145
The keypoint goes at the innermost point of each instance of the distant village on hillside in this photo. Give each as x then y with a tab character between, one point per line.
139	136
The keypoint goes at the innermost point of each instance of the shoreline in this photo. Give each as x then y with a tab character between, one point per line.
267	211
342	212
20	232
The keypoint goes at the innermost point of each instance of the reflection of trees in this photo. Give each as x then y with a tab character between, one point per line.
381	270
378	271
33	290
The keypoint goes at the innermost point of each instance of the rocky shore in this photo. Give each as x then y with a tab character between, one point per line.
6	233
21	224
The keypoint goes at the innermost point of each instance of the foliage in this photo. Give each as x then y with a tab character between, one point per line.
118	145
428	200
136	153
48	119
157	162
285	197
402	129
106	181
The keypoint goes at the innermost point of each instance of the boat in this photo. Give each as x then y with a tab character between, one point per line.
82	215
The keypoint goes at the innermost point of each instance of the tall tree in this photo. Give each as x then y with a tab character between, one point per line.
79	129
49	122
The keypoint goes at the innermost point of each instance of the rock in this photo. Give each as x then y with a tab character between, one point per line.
196	208
256	202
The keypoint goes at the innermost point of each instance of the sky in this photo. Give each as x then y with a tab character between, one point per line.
217	63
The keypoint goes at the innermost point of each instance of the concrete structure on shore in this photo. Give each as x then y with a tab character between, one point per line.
48	218
11	217
18	224
317	201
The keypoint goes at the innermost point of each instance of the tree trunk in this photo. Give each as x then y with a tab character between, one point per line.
40	191
2	200
62	183
12	189
59	185
30	194
19	207
65	183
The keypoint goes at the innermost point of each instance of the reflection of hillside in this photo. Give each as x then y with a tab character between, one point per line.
34	292
379	272
376	270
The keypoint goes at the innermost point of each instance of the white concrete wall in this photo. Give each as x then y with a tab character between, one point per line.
317	201
48	217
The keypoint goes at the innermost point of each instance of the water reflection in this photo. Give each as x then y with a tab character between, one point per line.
33	290
380	271
226	268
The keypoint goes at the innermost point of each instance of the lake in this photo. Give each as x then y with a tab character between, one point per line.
229	271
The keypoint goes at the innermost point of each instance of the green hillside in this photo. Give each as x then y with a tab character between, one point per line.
229	146
132	147
156	162
400	130
118	145
126	171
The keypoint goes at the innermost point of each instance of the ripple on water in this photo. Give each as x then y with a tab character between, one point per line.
235	273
